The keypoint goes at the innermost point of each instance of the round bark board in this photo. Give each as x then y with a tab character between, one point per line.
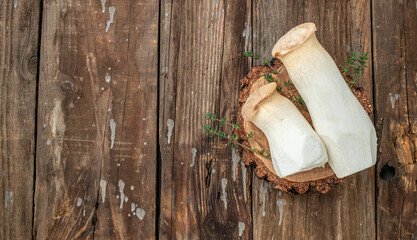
320	179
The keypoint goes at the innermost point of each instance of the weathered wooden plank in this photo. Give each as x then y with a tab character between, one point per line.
19	25
395	61
347	211
167	85
201	63
97	124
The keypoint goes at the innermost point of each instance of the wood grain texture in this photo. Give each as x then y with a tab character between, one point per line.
108	123
19	26
395	57
202	188
347	211
97	120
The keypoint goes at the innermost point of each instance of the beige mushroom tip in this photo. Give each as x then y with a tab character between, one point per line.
255	99
293	39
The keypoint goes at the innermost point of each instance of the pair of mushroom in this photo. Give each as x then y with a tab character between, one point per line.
343	134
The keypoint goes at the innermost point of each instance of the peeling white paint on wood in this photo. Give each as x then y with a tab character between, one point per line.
103	6
281	203
140	213
112	10
79	202
132	187
246	34
16	2
103	185
244	171
223	197
170	125
347	48
264	189
108	78
122	194
194	153
393	99
8	199
241	226
165	70
112	132
235	161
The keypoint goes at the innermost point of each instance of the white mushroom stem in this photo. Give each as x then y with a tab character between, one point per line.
294	146
337	116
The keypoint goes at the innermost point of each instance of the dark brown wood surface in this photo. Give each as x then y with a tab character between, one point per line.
395	38
202	191
19	25
114	120
96	163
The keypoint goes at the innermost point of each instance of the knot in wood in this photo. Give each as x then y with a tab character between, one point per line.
33	65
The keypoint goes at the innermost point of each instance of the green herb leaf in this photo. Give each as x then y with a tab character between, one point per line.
356	65
300	100
250	135
223	122
288	83
268	77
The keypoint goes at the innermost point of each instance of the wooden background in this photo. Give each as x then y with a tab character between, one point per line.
102	105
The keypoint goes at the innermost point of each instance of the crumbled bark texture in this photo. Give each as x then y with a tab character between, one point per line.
261	169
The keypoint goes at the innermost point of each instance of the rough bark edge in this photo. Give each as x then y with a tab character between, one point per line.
322	185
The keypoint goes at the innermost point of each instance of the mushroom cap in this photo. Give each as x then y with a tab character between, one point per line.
293	39
255	99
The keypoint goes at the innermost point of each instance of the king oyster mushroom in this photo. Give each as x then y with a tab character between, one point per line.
294	146
337	116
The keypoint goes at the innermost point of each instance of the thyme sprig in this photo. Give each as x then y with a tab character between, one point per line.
355	64
300	100
289	83
255	56
215	131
